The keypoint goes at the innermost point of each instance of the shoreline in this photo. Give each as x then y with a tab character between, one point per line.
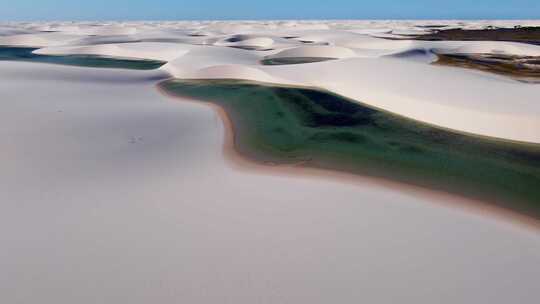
445	199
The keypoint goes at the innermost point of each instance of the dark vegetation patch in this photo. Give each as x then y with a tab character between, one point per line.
525	69
519	34
238	38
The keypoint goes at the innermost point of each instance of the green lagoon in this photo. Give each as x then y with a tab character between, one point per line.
293	60
287	125
25	54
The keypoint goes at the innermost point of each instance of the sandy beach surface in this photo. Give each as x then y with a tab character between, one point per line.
113	192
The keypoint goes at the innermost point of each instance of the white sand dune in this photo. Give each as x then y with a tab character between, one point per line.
39	39
11	31
315	51
460	99
454	98
246	40
112	192
231	72
143	50
112	30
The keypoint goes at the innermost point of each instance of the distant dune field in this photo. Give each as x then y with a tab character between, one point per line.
127	177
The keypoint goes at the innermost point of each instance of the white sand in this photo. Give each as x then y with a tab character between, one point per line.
113	193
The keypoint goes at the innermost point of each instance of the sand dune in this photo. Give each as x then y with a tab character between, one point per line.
39	40
112	192
108	183
315	51
142	50
372	70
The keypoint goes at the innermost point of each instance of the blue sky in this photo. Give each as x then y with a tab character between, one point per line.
270	9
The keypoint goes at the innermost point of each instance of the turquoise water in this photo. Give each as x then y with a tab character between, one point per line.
25	54
294	60
319	129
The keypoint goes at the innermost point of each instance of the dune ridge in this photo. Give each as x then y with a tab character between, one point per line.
367	68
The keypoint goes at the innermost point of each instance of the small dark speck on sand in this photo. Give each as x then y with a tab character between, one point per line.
134	140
